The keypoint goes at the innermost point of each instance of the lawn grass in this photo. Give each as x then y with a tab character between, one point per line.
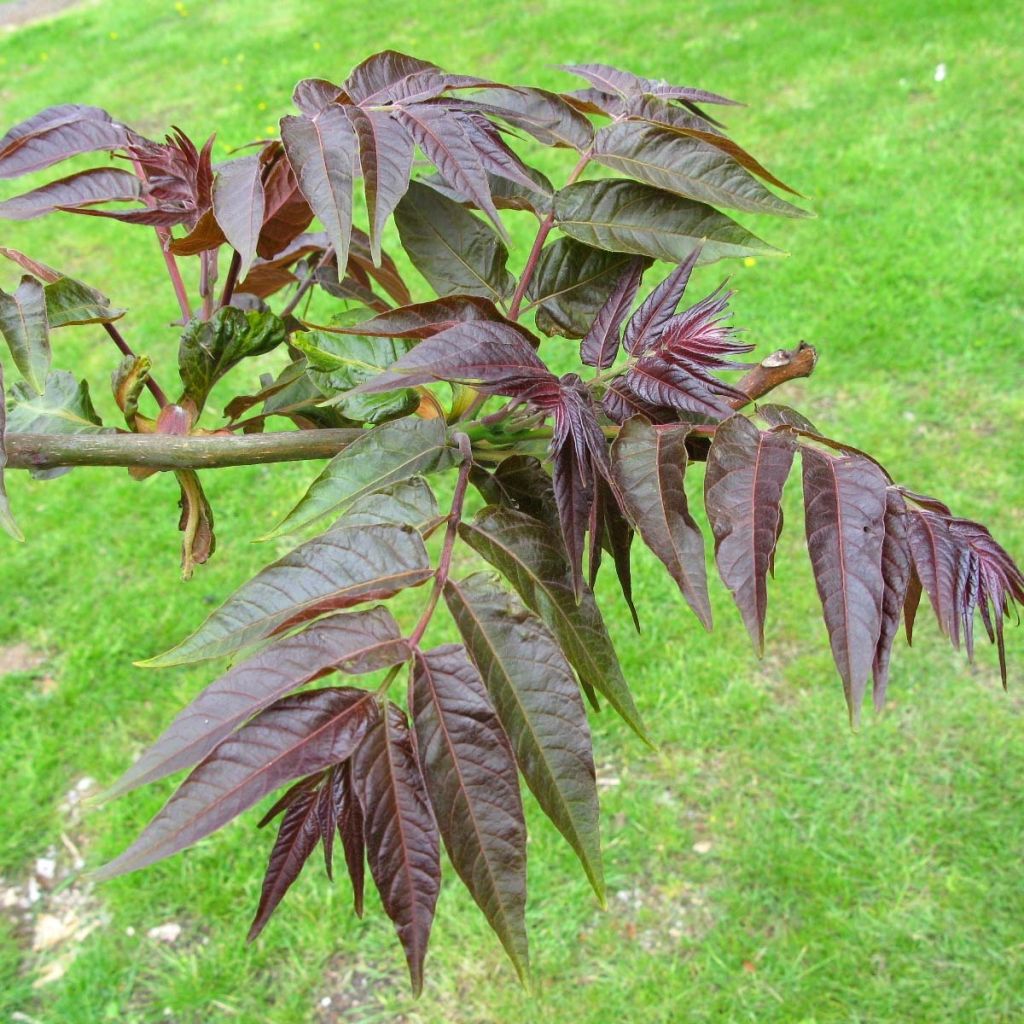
765	863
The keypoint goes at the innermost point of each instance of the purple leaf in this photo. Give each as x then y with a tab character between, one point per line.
647	323
897	566
844	509
471	779
239	205
313	95
492	356
354	643
6	519
24	325
294	737
349	816
296	840
385	156
611	80
601	344
383	78
55	134
99	185
743	483
322	152
649	465
402	844
544	115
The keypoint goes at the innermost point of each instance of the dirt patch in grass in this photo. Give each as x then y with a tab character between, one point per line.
24	12
19	658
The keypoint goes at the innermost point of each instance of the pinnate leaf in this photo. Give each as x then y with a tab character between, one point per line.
844	511
239	206
743	483
342	567
649	464
297	838
402	843
24	326
601	344
897	565
56	133
353	642
538	703
384	456
628	217
295	736
454	250
322	152
471	779
531	557
97	185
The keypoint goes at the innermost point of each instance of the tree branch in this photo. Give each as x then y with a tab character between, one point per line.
216	451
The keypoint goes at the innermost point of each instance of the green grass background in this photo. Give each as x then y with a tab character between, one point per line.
863	877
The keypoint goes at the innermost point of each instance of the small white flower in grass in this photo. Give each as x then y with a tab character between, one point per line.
940	72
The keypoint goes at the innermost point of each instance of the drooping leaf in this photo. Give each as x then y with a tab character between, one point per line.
844	510
56	133
454	250
601	344
345	566
897	566
64	407
471	779
322	152
24	326
46	274
209	348
402	844
493	356
6	519
295	736
239	205
962	569
649	464
544	115
338	364
286	214
198	540
70	302
387	455
538	703
385	157
297	838
530	556
443	136
571	283
746	471
686	166
349	817
97	185
386	274
353	642
627	217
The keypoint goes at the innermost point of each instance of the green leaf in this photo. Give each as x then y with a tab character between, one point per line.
340	568
70	302
539	705
64	407
23	324
337	364
687	166
410	503
531	557
209	348
571	283
455	251
6	519
625	216
382	457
